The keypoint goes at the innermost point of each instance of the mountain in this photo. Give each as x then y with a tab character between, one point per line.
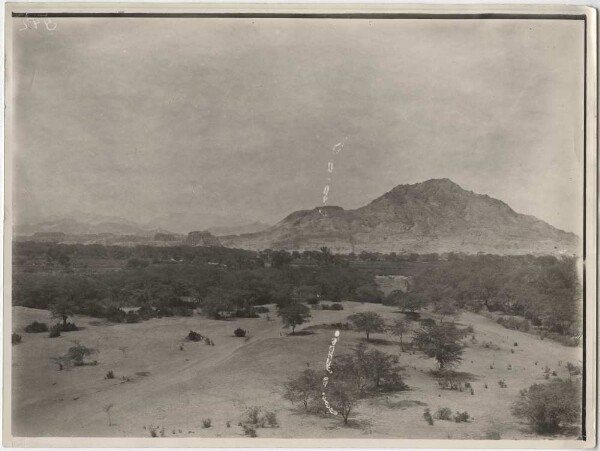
252	227
433	216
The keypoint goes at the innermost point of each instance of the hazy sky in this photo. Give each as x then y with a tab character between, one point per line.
201	122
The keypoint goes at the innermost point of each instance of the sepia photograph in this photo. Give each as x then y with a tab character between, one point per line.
232	225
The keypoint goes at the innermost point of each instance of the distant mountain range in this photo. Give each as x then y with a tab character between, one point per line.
84	225
433	216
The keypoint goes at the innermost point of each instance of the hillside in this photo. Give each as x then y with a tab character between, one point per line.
433	216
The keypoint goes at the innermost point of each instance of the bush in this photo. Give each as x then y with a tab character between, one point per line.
239	332
68	327
549	406
271	418
254	418
514	323
462	417
573	370
261	309
36	327
206	423
492	435
132	317
110	375
15	339
194	336
443	413
332	307
245	313
77	354
427	416
54	331
249	431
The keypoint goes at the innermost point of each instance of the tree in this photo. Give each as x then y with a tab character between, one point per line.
549	406
411	303
304	388
399	328
442	342
445	307
342	395
367	322
62	309
380	367
294	315
107	408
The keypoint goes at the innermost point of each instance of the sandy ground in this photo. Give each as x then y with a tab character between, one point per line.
176	390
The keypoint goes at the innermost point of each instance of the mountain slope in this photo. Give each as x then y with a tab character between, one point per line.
433	216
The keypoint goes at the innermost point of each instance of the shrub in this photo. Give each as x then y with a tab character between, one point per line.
502	383
443	413
68	327
491	434
461	417
427	416
76	354
271	418
451	380
254	418
573	370
514	323
54	331
132	317
245	313
239	332
206	423
551	405
110	375
36	327
332	307
15	338
261	309
249	431
194	336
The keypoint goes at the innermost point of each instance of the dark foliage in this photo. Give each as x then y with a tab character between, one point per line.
36	327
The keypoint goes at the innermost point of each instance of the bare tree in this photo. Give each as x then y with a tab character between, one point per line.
107	408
